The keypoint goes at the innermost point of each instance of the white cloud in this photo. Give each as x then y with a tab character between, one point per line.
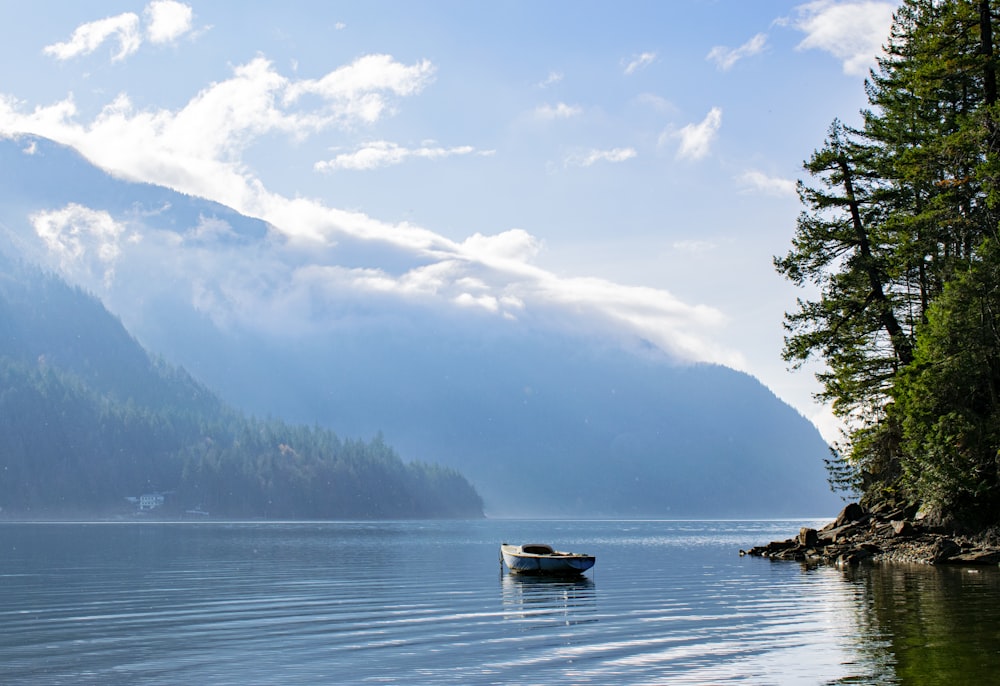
696	139
757	180
725	57
559	111
210	229
88	37
358	89
853	32
593	156
198	148
167	20
79	236
487	302
553	78
293	273
378	154
639	62
513	244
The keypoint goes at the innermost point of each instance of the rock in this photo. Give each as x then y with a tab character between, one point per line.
851	513
935	520
854	557
808	538
885	532
976	557
943	549
838	534
902	528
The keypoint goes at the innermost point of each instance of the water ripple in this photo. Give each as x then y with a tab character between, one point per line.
419	603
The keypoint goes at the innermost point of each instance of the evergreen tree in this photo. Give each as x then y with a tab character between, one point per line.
948	400
898	237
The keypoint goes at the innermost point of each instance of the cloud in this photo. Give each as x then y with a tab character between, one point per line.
514	244
725	58
210	230
378	154
553	78
696	139
769	185
76	234
272	285
853	32
167	20
88	37
359	90
593	156
297	275
559	111
639	62
198	148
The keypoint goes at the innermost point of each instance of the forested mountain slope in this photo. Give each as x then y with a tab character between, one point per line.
87	418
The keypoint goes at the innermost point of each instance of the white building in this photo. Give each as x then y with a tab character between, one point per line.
146	501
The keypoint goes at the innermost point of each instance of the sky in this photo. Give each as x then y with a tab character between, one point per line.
631	166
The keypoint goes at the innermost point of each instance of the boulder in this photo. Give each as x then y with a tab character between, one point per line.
943	550
837	534
854	557
976	557
808	538
853	512
902	528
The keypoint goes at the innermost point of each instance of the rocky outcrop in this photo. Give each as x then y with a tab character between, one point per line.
886	533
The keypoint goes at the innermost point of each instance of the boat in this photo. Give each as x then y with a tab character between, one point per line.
541	559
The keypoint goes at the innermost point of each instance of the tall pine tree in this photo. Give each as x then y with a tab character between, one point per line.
895	233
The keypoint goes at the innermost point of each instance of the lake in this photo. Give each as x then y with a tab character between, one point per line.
427	603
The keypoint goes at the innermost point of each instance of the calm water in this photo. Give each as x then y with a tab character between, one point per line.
426	603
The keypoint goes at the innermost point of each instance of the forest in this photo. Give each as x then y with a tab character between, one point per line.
898	246
89	418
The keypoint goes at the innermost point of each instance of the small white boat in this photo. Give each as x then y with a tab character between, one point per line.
541	559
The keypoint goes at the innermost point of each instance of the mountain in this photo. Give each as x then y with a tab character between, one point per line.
543	424
88	418
544	417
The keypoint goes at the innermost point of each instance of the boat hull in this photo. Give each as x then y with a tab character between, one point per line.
554	563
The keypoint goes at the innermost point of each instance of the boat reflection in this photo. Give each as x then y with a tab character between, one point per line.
544	600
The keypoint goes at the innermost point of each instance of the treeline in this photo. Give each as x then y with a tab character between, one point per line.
87	418
900	235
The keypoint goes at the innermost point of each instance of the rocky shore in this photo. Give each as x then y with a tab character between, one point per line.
884	533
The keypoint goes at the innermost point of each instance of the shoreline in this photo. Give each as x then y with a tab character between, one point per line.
886	533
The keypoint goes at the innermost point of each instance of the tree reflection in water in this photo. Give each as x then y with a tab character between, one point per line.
921	624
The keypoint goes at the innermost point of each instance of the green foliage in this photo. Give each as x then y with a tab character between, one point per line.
87	418
949	399
899	236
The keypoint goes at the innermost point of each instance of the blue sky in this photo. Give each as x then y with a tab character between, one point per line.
630	166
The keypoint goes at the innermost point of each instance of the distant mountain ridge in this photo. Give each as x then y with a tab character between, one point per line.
548	425
542	421
87	419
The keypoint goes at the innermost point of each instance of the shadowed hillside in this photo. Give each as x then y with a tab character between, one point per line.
87	418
